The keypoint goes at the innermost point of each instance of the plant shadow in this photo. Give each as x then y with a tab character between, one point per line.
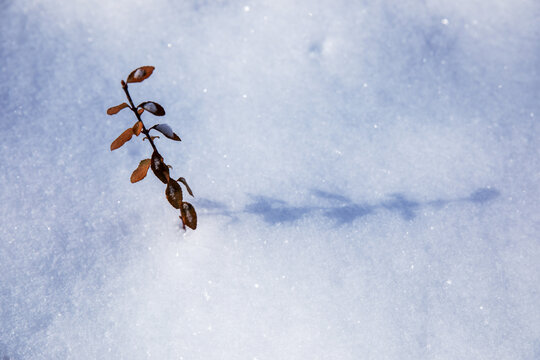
339	208
274	211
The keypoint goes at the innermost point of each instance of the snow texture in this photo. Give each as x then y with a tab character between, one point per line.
366	178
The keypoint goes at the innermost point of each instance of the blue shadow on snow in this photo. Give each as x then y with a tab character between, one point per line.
340	208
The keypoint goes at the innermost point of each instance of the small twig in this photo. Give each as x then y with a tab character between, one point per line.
173	192
145	131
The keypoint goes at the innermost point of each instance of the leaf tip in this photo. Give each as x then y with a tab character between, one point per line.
115	109
122	139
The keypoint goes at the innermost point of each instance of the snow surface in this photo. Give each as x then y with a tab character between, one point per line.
366	177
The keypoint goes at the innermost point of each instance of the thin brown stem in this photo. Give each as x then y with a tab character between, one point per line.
145	131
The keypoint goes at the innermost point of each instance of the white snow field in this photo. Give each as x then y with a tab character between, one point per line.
366	175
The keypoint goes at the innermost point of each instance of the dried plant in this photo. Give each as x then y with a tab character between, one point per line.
173	192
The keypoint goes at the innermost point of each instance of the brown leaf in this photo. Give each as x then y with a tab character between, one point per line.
153	137
188	215
140	111
140	172
137	128
183	181
122	139
140	74
159	168
115	109
174	194
152	107
166	130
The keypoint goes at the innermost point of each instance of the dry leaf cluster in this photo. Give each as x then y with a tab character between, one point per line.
173	191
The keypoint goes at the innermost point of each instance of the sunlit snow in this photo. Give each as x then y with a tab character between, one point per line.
365	177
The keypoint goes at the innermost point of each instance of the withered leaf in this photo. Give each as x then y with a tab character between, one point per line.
159	168
183	181
152	137
188	215
122	139
140	111
140	171
152	107
140	74
115	109
174	194
137	128
167	131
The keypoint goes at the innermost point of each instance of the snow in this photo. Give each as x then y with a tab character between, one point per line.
365	178
139	73
165	130
150	106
